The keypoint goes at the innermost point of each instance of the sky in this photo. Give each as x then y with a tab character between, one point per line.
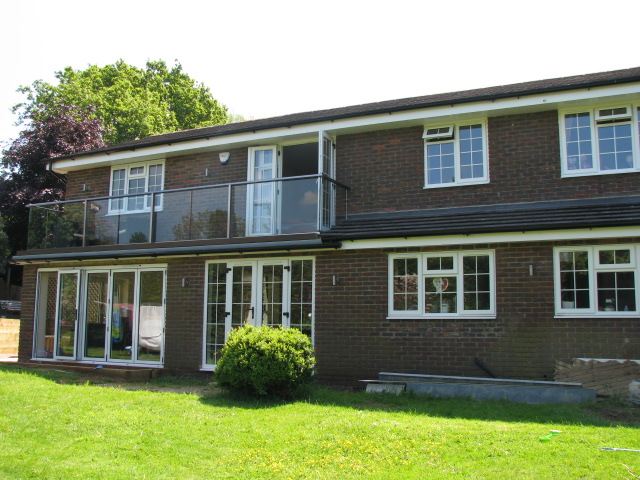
272	57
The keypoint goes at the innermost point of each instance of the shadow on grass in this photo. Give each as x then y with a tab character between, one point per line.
604	413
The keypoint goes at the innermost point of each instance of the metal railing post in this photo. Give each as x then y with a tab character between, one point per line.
229	211
84	224
151	212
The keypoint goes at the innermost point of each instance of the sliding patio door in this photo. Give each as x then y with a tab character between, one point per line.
67	314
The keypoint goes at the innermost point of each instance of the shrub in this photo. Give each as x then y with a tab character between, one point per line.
265	361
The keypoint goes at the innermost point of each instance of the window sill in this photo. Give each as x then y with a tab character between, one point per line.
100	362
603	315
440	317
595	173
482	181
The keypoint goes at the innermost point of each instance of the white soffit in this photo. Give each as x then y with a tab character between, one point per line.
521	104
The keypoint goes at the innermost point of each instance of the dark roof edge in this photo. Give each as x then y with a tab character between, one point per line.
497	207
368	235
184	250
388	106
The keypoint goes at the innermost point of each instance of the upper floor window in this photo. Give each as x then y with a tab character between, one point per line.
132	179
596	281
455	155
599	141
442	284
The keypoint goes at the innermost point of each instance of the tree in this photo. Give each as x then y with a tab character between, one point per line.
5	251
130	102
51	133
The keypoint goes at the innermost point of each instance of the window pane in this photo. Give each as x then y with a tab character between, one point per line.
616	291
405	284
441	294
301	284
578	141
476	282
440	163
614	142
471	151
150	316
574	279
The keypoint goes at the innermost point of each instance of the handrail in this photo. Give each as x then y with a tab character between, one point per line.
187	189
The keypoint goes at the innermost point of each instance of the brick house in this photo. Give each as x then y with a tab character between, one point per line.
497	227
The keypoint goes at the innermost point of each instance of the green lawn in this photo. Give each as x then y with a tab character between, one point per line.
51	427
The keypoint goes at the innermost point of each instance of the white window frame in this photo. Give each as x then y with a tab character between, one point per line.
457	271
565	172
456	153
125	200
595	267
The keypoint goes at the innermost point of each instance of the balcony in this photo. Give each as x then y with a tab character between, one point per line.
287	206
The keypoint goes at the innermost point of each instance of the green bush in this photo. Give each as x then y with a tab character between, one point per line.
266	361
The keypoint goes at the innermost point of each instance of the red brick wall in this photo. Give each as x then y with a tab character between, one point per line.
354	339
385	169
96	179
180	171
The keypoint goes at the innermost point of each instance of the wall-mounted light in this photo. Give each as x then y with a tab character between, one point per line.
185	282
334	280
224	157
85	187
531	269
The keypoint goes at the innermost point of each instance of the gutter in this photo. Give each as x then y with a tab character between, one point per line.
158	251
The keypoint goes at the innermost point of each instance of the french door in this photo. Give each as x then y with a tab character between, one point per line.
257	294
254	292
262	204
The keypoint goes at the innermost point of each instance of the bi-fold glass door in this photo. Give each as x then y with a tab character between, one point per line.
67	314
120	318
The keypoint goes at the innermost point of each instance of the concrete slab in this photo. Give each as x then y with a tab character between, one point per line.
478	388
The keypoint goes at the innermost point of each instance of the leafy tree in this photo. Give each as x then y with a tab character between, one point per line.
130	102
5	251
26	178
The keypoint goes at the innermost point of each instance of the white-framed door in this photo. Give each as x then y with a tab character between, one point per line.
94	315
122	315
240	295
67	302
327	166
272	293
262	198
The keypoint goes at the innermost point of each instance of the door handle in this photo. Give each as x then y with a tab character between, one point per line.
252	313
226	314
285	314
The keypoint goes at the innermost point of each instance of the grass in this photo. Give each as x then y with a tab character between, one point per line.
55	424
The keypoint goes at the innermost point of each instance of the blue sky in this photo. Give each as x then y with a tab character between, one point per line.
268	58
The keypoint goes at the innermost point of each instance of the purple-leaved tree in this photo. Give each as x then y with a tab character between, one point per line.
25	179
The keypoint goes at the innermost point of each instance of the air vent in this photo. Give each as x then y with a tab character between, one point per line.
617	114
439	133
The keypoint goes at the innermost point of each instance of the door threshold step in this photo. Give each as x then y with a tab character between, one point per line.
113	371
